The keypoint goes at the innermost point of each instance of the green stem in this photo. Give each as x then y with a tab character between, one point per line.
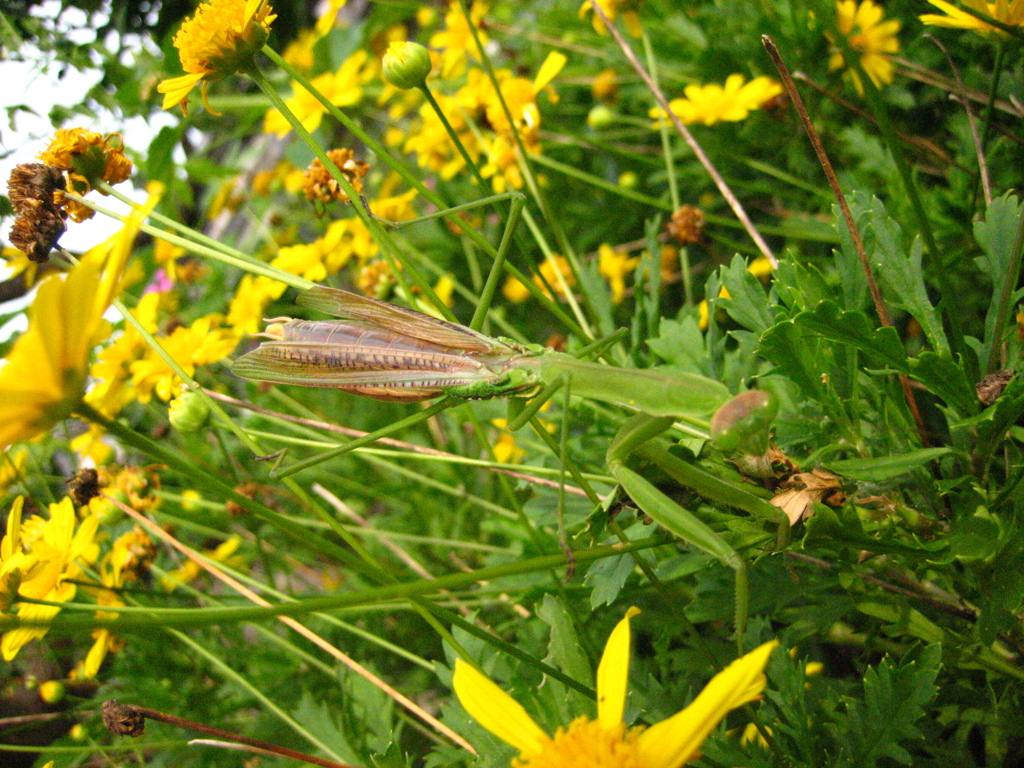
666	144
130	618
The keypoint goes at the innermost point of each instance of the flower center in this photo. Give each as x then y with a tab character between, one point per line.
586	744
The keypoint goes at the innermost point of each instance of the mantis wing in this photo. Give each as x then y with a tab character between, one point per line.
399	320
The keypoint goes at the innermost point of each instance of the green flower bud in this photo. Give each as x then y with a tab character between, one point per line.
406	65
51	691
600	116
189	412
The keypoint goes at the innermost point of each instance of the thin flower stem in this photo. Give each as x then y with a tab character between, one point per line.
114	711
979	146
454	136
986	119
716	177
876	295
372	437
497	266
603	184
407	448
222	254
666	144
531	182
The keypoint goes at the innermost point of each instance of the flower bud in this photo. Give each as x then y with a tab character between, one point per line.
406	65
51	691
601	116
189	412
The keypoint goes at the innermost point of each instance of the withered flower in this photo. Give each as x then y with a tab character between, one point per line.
319	185
36	192
686	224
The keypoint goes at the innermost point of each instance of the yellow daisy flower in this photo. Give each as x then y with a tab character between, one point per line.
91	157
873	38
220	39
39	559
607	741
713	103
1009	12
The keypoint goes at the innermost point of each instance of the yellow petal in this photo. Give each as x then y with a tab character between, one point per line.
175	89
495	710
552	66
613	674
673	742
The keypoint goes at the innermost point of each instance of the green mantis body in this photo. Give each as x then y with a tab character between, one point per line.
387	352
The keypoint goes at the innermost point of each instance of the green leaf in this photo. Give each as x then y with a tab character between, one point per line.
565	651
901	272
895	696
996	235
885	468
747	303
798	356
853	327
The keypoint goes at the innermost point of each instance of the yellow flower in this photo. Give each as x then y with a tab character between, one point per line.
1009	12
607	741
342	89
253	295
517	293
92	157
611	9
456	41
868	35
39	560
506	450
201	343
709	104
219	40
326	22
44	377
605	86
614	267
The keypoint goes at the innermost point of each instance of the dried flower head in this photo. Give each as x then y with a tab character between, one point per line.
36	192
85	486
319	185
686	224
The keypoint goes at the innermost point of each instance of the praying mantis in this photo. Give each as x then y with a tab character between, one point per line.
387	352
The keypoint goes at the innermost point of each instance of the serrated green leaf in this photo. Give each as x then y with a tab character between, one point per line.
901	273
895	696
884	468
853	328
747	303
797	356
